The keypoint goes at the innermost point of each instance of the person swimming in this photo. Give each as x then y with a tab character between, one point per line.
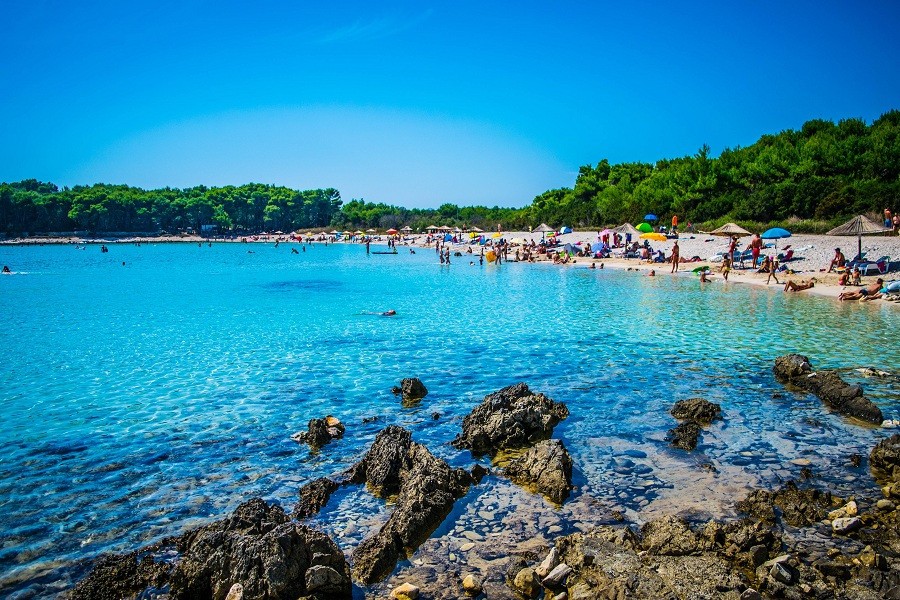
389	313
6	269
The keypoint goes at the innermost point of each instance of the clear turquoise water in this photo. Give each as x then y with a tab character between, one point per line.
143	399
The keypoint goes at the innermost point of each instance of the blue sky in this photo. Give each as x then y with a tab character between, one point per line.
417	103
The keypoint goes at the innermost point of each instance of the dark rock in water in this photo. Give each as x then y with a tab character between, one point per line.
702	411
478	473
257	547
795	369
270	556
885	459
547	467
513	417
313	496
685	435
121	576
799	508
411	388
320	432
425	487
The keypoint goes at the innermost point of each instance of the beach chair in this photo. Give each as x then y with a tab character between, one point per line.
881	265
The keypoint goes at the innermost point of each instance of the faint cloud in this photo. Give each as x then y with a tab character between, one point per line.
370	30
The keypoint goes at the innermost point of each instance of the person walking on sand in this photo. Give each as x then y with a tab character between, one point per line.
726	267
773	266
676	252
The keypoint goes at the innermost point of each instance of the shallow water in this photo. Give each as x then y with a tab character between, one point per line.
145	398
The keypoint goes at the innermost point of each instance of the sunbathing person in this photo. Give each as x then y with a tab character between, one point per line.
870	292
799	286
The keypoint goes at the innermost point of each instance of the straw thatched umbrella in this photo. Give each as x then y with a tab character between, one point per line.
858	226
730	229
543	228
627	228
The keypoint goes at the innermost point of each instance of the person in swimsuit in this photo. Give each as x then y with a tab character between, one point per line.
870	292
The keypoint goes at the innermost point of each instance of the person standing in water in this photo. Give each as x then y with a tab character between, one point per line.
676	252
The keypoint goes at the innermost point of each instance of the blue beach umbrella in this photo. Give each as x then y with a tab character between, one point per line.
776	233
650	217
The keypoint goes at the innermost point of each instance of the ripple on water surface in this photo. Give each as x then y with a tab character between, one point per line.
145	399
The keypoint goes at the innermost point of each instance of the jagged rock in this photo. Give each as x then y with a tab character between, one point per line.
795	369
320	432
702	411
547	467
669	536
513	417
848	510
236	592
426	489
884	459
684	436
121	576
258	547
799	508
411	388
313	496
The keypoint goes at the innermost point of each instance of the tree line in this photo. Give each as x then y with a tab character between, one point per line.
824	172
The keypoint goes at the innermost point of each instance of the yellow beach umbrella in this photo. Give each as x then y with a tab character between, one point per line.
497	235
656	237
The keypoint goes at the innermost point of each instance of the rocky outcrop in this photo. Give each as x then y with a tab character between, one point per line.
796	370
798	508
425	489
885	459
256	553
411	389
314	496
699	410
513	417
270	556
684	435
320	432
546	467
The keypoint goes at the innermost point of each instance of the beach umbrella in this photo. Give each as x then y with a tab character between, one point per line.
645	228
497	235
606	232
656	237
392	231
407	228
650	217
597	247
627	228
776	233
730	229
370	231
858	226
335	232
543	228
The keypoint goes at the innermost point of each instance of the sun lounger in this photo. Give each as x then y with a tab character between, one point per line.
881	265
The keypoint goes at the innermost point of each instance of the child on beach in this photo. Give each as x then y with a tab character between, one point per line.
856	275
726	267
773	266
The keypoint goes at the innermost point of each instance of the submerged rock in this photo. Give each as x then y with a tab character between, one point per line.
699	410
547	467
685	435
121	576
795	369
799	508
425	487
513	417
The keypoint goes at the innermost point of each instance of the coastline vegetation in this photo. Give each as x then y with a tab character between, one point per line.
807	180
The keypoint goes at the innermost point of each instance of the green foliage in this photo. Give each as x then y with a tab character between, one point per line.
819	175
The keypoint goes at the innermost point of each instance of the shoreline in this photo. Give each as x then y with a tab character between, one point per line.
814	254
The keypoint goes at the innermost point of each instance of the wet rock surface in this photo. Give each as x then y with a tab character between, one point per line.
314	496
684	435
545	467
513	417
410	389
257	547
320	431
698	410
796	370
425	487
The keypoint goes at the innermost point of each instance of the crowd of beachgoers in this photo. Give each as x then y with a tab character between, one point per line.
818	264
